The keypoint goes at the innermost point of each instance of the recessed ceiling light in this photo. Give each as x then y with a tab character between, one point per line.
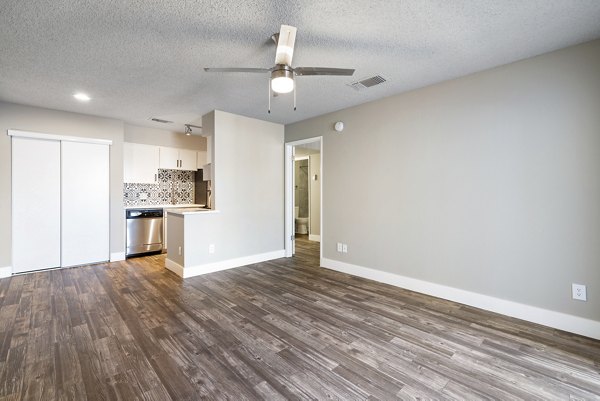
82	97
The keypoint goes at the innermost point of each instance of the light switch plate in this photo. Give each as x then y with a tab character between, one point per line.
345	248
339	247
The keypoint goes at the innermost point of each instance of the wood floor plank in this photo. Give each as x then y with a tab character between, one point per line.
278	330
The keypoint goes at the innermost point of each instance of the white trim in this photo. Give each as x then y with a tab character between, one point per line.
298	158
289	209
54	137
117	256
558	320
174	267
314	237
198	270
289	202
5	271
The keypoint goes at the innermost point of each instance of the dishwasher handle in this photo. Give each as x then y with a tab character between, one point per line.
144	213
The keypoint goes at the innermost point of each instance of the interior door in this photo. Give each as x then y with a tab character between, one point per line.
35	204
85	203
293	200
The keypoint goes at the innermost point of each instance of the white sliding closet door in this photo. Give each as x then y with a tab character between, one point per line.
35	204
85	203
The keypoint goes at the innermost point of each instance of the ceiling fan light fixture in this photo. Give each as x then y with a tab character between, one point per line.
282	80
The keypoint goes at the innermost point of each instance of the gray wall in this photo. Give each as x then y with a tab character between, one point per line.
159	137
26	118
248	191
487	183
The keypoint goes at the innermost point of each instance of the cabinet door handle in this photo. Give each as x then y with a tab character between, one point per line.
155	177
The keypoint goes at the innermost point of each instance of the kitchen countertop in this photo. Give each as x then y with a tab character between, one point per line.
195	210
167	206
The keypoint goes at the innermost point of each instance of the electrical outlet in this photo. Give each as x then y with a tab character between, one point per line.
211	248
180	251
579	292
339	247
345	248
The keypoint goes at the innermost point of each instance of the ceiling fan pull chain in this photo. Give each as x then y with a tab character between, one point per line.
269	85
294	96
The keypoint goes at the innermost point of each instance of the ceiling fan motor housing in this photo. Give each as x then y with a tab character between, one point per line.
282	79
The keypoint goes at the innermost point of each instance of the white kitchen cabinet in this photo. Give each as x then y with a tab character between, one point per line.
209	149
35	204
201	159
187	159
85	215
165	230
177	159
140	163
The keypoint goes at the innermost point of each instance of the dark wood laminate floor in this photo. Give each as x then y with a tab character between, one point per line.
285	329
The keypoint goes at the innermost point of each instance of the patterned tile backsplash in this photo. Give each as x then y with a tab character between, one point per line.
173	187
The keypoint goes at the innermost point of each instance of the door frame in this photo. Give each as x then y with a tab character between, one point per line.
289	195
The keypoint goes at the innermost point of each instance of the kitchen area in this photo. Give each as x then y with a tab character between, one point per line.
198	198
162	180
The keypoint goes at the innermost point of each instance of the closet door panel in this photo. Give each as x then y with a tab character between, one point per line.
35	204
85	203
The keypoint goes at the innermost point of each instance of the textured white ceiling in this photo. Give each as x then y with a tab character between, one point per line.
141	59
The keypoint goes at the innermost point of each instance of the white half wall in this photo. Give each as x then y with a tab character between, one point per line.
248	194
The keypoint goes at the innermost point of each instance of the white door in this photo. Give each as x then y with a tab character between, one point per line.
293	200
35	204
85	203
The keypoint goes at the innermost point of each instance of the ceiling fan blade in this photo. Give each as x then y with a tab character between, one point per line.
237	70
323	71
285	45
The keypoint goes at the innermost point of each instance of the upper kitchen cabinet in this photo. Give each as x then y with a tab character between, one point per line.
140	163
177	159
201	159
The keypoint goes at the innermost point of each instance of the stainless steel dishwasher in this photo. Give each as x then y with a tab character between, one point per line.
144	231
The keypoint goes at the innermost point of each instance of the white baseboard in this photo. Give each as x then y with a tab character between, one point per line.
5	272
313	237
117	256
192	271
558	320
174	267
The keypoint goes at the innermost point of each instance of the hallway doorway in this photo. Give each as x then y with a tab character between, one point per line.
303	190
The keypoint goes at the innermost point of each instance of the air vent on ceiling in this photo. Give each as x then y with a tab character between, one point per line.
367	82
158	120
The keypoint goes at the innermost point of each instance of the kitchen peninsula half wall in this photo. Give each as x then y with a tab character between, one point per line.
246	222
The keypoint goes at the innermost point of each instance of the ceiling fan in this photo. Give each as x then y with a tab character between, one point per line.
282	74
